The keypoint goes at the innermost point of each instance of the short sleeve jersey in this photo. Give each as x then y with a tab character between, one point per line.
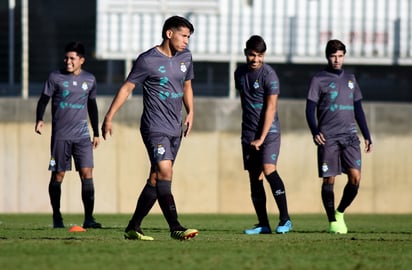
335	95
254	87
69	94
162	78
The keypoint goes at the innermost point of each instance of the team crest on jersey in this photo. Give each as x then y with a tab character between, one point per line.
84	86
183	67
256	85
350	84
160	149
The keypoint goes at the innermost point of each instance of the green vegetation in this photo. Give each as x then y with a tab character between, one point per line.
27	241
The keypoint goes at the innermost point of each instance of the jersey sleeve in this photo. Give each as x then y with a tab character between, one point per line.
271	83
313	92
138	74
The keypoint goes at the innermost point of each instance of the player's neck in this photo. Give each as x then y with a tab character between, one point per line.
165	49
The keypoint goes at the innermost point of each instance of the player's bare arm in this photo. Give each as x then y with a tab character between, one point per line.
117	103
188	103
271	104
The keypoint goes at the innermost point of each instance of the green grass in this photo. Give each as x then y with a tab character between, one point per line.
27	241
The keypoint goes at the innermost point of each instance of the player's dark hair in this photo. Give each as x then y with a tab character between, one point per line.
175	22
76	46
256	43
333	46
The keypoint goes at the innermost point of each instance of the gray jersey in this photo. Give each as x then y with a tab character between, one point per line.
254	87
69	94
335	95
162	78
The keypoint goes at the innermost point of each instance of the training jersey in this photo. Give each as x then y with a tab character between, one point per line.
162	78
335	95
254	87
69	94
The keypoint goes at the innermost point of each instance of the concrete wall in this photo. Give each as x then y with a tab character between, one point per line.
208	175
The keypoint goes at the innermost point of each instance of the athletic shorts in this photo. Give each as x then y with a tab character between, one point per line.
161	147
267	154
62	152
339	155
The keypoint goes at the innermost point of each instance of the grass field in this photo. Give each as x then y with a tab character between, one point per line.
27	241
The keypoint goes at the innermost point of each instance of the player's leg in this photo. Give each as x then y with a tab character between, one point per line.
82	151
145	202
270	153
55	183
60	162
258	196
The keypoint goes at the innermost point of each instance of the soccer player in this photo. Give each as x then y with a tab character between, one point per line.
73	94
335	96
258	86
165	72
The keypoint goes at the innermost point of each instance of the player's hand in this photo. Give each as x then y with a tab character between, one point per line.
319	139
188	123
368	146
256	144
38	127
96	142
106	128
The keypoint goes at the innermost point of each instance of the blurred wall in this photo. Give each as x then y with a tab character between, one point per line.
208	175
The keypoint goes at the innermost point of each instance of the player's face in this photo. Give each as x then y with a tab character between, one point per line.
335	60
73	62
254	59
179	38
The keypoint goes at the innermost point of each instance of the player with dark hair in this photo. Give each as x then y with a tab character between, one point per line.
165	72
335	97
73	94
258	87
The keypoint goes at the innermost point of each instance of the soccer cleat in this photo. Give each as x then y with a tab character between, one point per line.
285	228
58	222
91	223
184	235
258	230
135	235
338	226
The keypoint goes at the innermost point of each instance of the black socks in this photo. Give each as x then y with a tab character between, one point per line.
349	193
146	200
328	199
55	195
278	190
258	195
167	203
88	197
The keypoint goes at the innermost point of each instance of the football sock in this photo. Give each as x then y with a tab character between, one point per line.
349	193
259	201
278	190
88	197
55	194
167	203
328	199
146	200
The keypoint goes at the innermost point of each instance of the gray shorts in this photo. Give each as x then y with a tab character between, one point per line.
62	152
161	147
267	154
339	155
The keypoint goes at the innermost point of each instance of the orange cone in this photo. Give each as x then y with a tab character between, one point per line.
77	228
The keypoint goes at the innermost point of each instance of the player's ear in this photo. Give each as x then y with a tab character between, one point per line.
169	33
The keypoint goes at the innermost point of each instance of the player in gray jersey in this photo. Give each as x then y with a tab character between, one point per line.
73	94
165	72
258	87
335	97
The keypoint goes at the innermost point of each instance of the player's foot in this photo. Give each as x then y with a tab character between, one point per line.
91	223
58	222
258	230
285	227
137	235
184	234
338	226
